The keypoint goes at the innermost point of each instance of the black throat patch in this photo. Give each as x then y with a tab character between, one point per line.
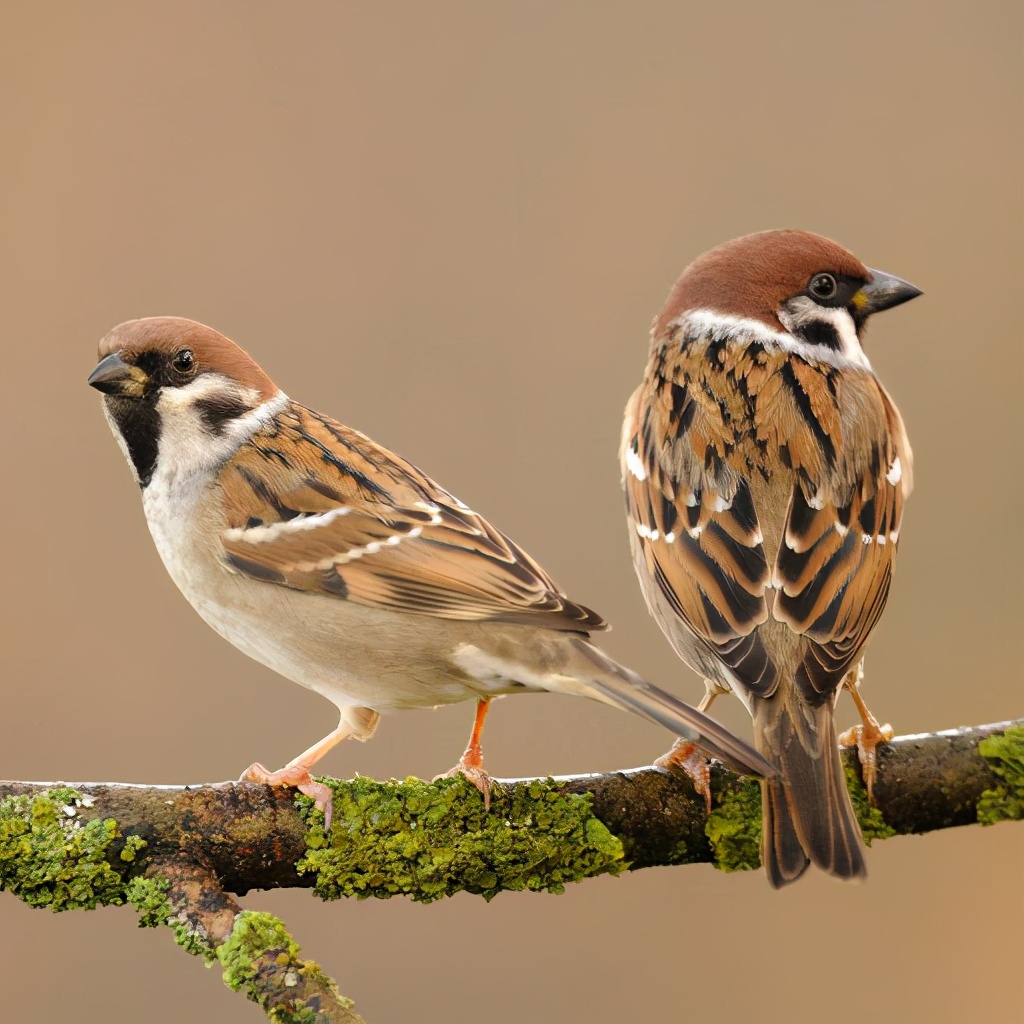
138	422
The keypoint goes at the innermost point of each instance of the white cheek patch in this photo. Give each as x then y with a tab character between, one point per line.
742	330
188	453
180	414
802	312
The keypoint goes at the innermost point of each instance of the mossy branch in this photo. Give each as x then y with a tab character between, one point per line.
174	852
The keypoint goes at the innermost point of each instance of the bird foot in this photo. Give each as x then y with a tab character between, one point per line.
689	758
474	773
297	776
866	738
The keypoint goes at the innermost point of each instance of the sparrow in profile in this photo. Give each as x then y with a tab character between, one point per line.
765	470
338	564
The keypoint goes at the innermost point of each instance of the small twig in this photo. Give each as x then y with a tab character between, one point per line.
258	955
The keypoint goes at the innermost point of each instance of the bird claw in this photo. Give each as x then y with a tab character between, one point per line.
689	758
297	776
866	738
473	773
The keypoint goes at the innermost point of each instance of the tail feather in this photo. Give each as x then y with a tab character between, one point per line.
782	853
614	684
807	814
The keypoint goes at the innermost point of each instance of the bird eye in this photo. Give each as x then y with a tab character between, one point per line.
183	361
823	286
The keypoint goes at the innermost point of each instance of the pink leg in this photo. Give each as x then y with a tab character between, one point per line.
471	764
866	737
296	771
687	756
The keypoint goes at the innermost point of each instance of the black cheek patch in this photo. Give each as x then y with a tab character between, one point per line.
217	410
821	332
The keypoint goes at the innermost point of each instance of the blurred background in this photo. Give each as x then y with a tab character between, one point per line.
449	224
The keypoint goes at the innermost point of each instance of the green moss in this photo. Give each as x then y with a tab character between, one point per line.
1005	756
680	853
132	845
255	935
428	840
872	823
258	942
734	827
149	897
50	857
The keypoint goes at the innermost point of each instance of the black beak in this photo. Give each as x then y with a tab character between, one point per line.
113	376
883	292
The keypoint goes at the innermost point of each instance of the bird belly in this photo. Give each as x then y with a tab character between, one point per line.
353	655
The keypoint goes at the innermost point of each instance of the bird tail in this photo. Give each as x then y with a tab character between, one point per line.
601	678
807	816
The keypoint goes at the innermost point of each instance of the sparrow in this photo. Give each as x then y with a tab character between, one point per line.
338	564
765	469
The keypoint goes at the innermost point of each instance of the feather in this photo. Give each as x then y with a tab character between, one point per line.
318	507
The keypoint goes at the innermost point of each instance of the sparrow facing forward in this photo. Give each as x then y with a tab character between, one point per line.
339	565
765	470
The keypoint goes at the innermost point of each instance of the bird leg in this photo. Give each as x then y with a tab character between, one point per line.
296	771
471	764
688	757
866	737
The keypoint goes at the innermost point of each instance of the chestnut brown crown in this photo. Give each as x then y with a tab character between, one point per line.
173	350
752	276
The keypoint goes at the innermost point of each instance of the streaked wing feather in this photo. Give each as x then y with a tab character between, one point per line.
701	544
836	561
318	507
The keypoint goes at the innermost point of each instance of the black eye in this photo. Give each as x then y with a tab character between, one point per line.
183	361
823	286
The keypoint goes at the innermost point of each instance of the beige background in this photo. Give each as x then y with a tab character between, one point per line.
450	224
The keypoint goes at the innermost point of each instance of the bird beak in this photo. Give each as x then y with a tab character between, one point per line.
113	376
883	292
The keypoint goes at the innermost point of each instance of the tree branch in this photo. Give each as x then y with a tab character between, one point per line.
175	851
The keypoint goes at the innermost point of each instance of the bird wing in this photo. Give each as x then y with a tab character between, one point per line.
696	539
836	558
312	505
